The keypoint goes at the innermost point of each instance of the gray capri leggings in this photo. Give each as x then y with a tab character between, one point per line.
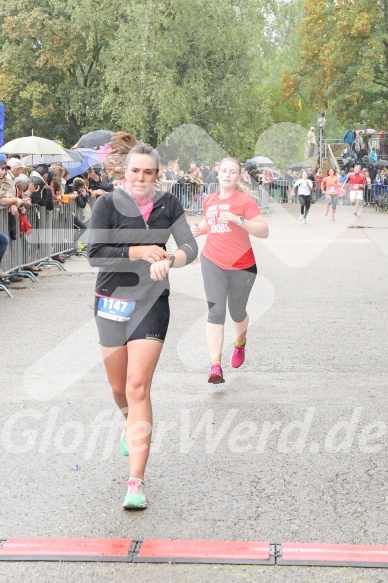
332	199
227	285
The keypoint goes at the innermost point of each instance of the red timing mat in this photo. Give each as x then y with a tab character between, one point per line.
206	550
64	547
192	551
314	553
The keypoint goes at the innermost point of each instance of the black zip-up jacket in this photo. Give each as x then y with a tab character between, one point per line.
81	201
117	224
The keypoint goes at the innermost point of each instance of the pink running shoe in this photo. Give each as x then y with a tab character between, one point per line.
215	375
238	356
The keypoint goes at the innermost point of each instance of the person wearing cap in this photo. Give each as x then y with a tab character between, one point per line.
41	171
15	166
7	185
7	200
13	204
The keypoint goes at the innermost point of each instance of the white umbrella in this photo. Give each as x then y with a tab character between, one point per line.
260	160
31	145
66	156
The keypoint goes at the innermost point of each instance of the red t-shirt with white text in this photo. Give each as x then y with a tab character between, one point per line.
228	245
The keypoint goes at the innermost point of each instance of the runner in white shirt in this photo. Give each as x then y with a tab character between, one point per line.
305	188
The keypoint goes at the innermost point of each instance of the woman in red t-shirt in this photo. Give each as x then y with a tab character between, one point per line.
227	261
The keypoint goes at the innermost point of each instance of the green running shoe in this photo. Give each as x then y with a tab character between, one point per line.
123	443
136	495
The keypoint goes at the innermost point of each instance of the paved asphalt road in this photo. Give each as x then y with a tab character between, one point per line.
293	447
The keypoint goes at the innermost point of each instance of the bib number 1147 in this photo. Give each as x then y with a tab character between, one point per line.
114	309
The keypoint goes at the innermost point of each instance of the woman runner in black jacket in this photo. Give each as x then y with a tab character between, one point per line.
129	229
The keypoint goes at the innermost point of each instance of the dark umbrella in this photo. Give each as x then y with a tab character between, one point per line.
299	166
95	139
249	166
380	164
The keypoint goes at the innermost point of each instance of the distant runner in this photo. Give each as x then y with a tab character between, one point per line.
330	185
356	181
305	188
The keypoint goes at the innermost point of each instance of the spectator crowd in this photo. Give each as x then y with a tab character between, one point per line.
50	186
47	187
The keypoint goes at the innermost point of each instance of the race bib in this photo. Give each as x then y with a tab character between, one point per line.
357	186
114	309
332	188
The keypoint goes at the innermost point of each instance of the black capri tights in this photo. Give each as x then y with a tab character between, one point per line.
227	285
305	203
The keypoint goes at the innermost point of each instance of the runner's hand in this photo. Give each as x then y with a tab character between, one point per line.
159	270
195	230
150	253
228	216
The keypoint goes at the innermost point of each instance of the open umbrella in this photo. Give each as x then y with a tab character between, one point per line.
370	131
380	164
31	145
66	156
260	160
95	139
89	159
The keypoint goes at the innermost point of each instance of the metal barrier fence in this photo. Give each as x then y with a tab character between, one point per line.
192	195
51	234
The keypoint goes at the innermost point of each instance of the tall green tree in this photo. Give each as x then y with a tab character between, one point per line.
279	47
52	75
344	59
148	67
176	62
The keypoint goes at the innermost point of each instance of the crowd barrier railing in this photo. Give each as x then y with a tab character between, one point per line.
51	234
192	195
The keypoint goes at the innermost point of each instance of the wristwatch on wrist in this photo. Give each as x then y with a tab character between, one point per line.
172	259
240	221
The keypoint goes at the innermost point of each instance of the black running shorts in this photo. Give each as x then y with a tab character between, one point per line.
149	321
